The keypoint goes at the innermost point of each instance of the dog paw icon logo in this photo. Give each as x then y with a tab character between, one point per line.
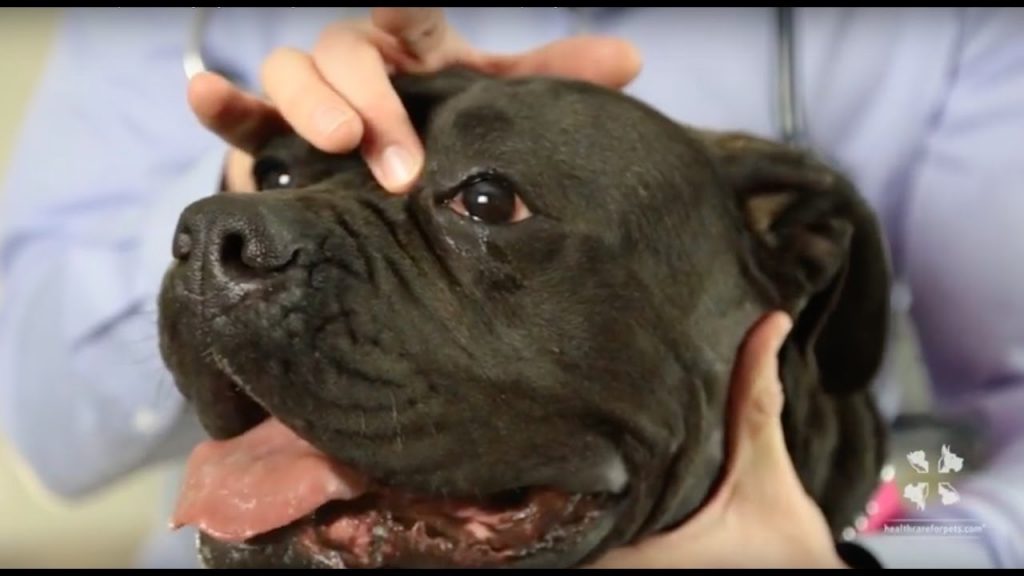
918	461
917	491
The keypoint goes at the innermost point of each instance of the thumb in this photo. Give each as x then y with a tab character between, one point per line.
756	400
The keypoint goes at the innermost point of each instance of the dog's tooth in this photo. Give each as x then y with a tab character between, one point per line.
615	475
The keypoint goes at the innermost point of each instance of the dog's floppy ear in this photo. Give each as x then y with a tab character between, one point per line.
421	94
817	250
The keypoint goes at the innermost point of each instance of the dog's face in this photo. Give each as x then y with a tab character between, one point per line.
524	361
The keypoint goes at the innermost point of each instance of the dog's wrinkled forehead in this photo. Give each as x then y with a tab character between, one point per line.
563	143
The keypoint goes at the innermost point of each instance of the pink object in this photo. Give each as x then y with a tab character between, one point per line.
885	506
258	481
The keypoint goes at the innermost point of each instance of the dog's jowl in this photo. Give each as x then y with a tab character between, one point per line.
525	360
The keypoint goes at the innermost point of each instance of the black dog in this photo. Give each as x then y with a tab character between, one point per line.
525	361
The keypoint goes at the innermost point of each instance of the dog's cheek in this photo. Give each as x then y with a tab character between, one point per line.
660	398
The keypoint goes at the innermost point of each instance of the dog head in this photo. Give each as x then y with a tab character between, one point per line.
524	361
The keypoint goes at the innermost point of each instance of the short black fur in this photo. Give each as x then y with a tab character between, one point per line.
598	335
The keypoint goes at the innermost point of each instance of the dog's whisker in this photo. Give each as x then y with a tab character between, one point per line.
164	388
394	420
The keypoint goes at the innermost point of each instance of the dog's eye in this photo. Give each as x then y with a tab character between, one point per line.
271	174
489	200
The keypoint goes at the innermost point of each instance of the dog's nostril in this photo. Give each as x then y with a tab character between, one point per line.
226	240
250	256
231	250
233	261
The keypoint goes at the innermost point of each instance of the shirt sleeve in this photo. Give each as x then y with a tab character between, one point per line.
108	156
963	257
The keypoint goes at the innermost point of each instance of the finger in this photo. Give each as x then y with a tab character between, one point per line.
422	31
240	119
756	397
390	145
419	40
238	172
608	62
309	104
763	468
756	386
755	402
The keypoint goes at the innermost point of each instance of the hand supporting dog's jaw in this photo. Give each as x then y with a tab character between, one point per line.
523	362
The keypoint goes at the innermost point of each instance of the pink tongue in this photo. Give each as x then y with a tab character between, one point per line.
262	480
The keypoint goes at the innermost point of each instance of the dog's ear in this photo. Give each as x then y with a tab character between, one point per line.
817	250
421	94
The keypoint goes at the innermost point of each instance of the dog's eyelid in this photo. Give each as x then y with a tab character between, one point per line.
487	198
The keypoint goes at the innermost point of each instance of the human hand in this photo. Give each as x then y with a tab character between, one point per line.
760	515
339	96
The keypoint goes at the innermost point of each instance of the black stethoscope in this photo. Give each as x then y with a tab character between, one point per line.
790	121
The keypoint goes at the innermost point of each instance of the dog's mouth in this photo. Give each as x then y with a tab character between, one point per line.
269	483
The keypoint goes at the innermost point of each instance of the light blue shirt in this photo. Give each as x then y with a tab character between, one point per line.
923	107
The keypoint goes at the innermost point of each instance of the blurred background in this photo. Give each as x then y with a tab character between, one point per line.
105	530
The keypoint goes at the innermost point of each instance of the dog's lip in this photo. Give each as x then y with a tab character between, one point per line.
598	498
300	545
325	539
339	510
223	405
612	478
470	536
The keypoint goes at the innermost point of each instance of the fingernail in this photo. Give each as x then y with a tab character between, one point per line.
397	166
328	118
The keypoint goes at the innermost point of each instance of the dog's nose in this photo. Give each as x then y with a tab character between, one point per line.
236	237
